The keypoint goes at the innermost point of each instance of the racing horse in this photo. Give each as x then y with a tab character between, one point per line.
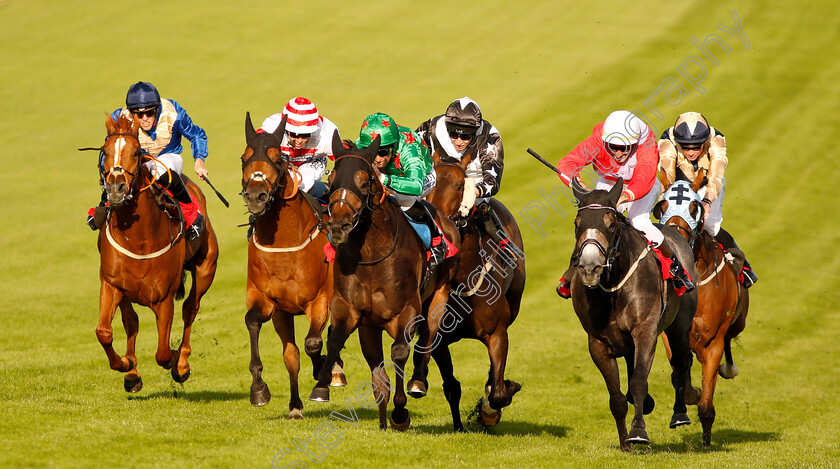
623	303
144	255
381	279
287	272
722	300
486	293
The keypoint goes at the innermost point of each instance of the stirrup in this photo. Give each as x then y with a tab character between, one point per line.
437	254
748	277
565	288
195	230
681	277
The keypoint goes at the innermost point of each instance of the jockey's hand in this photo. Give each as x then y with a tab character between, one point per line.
707	209
624	198
200	169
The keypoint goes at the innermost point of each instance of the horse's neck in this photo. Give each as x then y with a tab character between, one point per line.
632	243
374	237
293	217
141	216
706	249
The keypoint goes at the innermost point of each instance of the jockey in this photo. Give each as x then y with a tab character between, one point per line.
462	131
623	147
406	171
162	123
689	146
307	142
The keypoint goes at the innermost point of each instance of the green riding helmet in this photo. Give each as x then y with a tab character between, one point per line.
378	124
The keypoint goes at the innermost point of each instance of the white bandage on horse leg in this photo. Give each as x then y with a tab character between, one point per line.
468	201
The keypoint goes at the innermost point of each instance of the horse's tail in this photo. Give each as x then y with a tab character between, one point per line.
182	291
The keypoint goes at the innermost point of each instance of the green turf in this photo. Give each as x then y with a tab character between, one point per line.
544	74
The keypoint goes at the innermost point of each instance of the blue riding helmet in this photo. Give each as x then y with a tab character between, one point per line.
142	96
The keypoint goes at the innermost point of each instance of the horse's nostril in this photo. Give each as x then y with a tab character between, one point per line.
346	226
262	197
121	187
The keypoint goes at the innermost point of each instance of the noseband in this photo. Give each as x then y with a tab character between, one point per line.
118	170
613	252
259	176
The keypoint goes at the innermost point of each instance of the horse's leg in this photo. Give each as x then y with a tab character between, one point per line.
618	402
729	370
109	298
260	309
400	350
181	369
427	340
677	333
502	390
132	382
344	322
706	406
370	339
451	386
317	312
284	324
649	403
644	339
163	318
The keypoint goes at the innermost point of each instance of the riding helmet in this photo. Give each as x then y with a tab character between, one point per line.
691	128
378	124
464	115
141	96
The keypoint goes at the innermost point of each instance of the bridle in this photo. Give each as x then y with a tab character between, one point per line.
117	169
260	177
460	221
613	252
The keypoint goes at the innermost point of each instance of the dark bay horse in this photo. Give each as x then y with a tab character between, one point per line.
486	294
623	304
723	301
379	284
144	256
287	271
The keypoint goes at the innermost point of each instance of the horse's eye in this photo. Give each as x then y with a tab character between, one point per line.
609	220
461	187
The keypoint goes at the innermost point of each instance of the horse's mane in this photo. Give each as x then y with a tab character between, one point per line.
124	124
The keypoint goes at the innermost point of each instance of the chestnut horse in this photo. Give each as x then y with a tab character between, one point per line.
381	279
486	294
623	304
144	256
722	300
287	271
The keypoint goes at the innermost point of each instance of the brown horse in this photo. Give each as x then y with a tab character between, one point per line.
487	291
287	271
623	304
722	300
144	256
381	279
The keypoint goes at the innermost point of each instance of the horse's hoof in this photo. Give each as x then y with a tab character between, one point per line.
133	385
513	387
261	396
679	420
295	414
404	420
638	436
727	371
416	389
649	404
180	378
693	397
338	378
488	415
320	395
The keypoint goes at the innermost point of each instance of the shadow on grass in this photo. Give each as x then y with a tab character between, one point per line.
692	442
503	428
200	396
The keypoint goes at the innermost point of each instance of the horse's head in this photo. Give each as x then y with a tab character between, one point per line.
597	231
263	166
120	159
452	190
680	207
353	185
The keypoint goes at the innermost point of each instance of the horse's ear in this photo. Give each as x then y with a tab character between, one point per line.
338	148
250	133
369	153
660	208
578	190
281	129
110	124
698	179
615	192
466	160
436	158
663	179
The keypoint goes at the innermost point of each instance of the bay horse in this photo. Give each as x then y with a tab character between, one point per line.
723	301
144	256
287	271
486	294
623	303
381	281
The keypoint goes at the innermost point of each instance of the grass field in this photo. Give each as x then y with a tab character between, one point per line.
544	74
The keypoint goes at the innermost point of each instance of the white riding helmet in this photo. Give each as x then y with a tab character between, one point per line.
623	128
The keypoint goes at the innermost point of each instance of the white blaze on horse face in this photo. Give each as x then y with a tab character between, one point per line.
590	255
118	146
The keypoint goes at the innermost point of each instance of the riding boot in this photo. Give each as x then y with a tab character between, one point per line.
681	277
565	287
192	213
748	276
490	223
96	215
437	250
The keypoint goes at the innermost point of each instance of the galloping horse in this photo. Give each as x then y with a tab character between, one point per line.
287	272
144	256
722	300
487	290
623	304
379	279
